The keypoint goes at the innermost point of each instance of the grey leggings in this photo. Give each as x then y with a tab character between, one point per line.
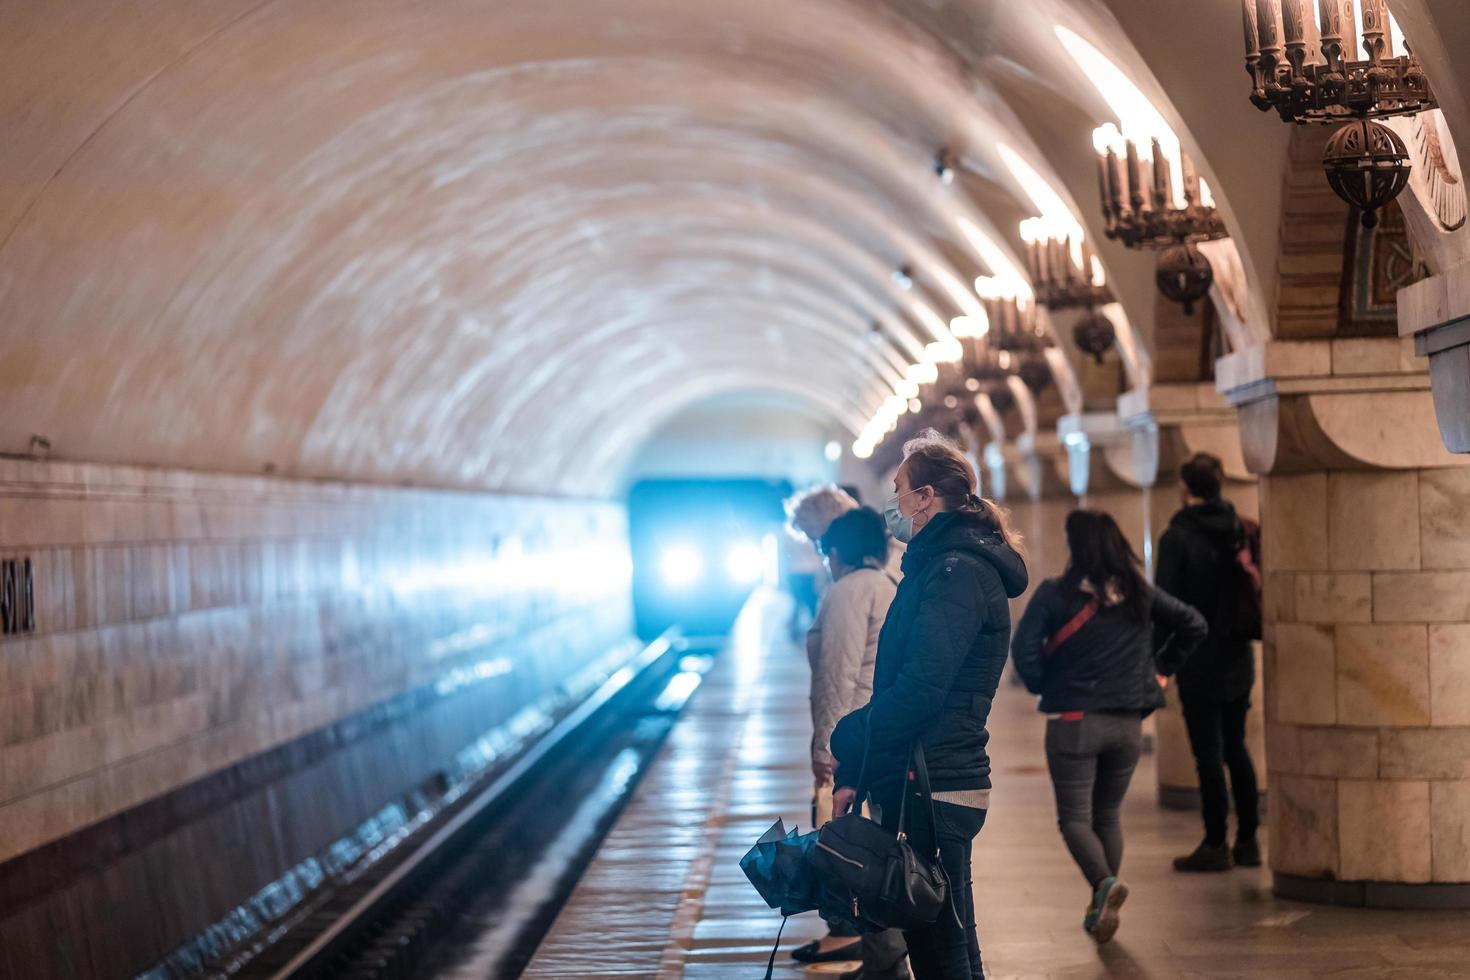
1091	761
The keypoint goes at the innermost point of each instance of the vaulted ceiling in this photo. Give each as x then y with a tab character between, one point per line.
494	244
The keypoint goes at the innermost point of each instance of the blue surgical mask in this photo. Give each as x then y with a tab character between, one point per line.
901	527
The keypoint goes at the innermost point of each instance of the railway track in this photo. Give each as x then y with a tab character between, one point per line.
471	893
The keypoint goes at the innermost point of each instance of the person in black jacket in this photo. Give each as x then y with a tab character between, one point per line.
1097	644
1197	563
940	655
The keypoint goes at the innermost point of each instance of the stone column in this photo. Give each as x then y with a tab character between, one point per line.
1366	534
1039	498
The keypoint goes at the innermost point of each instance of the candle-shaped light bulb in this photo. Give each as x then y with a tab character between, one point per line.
1137	183
1099	278
1373	16
1206	196
1339	37
1163	198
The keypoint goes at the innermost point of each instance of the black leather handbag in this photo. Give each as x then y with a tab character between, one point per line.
891	886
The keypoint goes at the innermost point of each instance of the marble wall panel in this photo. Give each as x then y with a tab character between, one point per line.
1449	674
1303	819
1382	675
1295	510
1449	813
1335	752
1342	598
1304	674
1373	520
1384	830
1444	512
1424	753
1421	597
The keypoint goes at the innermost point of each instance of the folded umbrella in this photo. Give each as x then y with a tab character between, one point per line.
778	869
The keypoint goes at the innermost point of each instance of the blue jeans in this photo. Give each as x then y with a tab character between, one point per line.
949	949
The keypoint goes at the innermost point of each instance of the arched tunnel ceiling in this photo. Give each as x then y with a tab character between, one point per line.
486	244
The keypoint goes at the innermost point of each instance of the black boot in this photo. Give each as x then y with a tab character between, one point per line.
1247	853
1206	857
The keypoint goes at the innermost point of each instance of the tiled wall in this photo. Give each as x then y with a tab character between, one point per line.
190	622
1368	601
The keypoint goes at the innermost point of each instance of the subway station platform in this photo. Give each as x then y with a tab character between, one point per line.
665	897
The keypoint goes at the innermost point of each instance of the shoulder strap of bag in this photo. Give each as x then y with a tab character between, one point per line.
861	791
921	783
1072	625
771	963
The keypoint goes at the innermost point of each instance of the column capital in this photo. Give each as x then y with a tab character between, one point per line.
1038	464
1339	404
1435	312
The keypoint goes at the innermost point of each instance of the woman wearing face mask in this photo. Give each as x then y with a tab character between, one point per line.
1095	644
940	656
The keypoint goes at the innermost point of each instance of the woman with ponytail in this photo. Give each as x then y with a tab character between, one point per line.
940	655
1096	644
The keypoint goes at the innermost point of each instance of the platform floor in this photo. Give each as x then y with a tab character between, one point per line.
665	897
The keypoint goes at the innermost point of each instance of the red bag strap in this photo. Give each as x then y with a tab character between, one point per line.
1072	626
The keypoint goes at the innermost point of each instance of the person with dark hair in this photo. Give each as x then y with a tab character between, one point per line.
1207	558
1097	644
940	655
842	648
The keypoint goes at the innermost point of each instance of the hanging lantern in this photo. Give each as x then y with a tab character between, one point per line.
1034	371
1367	165
1184	275
1094	335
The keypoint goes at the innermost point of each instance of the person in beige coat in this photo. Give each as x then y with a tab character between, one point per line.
843	642
842	648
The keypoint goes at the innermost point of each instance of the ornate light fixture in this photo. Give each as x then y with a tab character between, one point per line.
1065	273
1095	335
1367	165
1304	60
1155	202
1150	200
1018	339
1184	275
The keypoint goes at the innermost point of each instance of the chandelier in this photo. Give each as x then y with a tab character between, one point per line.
1330	61
1065	273
1018	340
1153	198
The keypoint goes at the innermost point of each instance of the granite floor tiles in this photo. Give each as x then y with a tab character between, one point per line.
666	899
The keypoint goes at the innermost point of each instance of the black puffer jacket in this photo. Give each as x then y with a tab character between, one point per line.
1197	565
1110	663
940	655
